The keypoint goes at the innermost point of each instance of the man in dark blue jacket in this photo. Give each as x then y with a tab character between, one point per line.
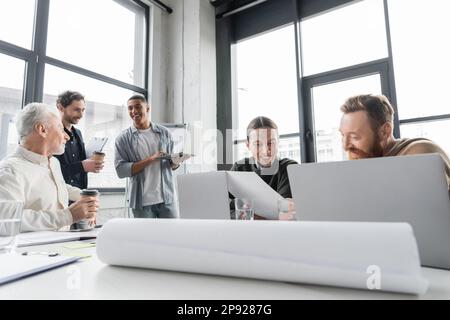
74	165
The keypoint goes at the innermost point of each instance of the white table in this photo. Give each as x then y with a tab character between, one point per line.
91	279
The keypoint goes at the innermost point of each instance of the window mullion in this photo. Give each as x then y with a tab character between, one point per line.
40	47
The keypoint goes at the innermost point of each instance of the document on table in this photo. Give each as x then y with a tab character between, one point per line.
45	237
17	266
249	185
362	255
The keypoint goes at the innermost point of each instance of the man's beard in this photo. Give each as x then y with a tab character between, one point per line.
375	151
74	120
71	120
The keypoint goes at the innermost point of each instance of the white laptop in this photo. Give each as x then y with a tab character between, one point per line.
203	195
409	189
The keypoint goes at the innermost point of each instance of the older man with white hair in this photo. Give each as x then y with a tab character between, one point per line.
33	175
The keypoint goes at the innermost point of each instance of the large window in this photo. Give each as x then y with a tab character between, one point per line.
344	37
266	85
106	115
16	22
340	60
11	92
14	54
104	36
345	48
327	115
421	63
96	47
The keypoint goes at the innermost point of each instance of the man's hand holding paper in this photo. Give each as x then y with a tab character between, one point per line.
178	158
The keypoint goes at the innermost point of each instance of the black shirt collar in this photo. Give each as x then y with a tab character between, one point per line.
72	133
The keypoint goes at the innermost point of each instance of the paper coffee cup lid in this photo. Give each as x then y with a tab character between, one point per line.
89	192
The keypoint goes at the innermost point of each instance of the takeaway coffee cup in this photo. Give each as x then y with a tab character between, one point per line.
98	156
86	223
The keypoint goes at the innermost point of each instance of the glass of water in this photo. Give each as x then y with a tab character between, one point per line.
286	210
10	217
243	209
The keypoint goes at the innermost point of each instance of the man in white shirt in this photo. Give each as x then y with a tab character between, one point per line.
33	175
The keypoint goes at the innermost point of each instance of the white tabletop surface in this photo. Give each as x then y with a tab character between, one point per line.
91	279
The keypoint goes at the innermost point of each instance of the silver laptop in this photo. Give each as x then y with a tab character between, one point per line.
203	195
409	189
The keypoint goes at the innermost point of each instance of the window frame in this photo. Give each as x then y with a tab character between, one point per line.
36	59
259	19
380	67
416	119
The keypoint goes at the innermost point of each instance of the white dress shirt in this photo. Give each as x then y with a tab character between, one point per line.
38	182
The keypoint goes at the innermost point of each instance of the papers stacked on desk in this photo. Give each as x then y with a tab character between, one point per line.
379	256
46	237
17	266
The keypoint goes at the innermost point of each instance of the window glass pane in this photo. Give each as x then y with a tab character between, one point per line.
11	91
421	52
437	131
17	21
327	100
290	148
343	37
287	148
267	81
106	115
104	36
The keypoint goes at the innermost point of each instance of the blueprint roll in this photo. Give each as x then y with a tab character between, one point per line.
371	256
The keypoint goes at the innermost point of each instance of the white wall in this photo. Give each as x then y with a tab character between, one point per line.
182	81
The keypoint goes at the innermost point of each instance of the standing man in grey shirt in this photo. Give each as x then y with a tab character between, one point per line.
138	152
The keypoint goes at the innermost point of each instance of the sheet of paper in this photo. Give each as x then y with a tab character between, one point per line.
82	245
179	156
250	186
95	144
17	266
371	256
45	237
77	254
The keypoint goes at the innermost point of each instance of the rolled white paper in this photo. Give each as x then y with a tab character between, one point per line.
375	256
